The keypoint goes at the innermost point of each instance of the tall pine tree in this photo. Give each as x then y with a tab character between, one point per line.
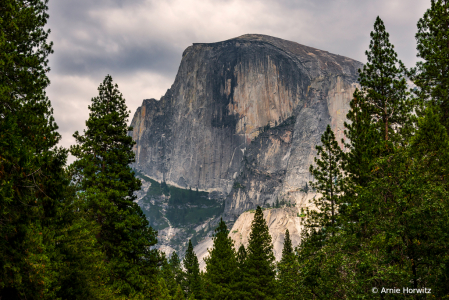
175	266
433	47
167	273
179	295
258	273
221	266
383	85
192	281
287	271
380	112
329	182
104	154
241	256
32	177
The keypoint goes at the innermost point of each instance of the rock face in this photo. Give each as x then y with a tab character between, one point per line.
278	221
242	120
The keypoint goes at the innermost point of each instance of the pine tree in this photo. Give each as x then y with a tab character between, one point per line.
162	291
82	271
179	295
258	273
32	177
362	140
380	113
104	154
433	47
175	266
329	179
241	255
392	247
191	297
383	85
221	266
192	281
288	271
288	248
168	274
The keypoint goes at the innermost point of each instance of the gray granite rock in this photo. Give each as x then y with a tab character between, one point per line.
198	133
242	120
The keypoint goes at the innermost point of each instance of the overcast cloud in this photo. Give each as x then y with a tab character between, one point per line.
140	42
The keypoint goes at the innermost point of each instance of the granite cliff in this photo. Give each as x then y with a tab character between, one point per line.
240	124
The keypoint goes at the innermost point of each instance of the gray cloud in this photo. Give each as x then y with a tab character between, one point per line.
140	42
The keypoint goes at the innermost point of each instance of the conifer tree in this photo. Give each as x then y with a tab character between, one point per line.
329	182
380	113
162	291
191	297
239	286
82	271
288	248
362	140
104	153
179	295
241	255
288	271
175	266
32	177
221	266
383	85
192	280
433	47
168	275
258	274
392	247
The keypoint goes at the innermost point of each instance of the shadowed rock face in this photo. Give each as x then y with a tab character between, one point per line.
207	131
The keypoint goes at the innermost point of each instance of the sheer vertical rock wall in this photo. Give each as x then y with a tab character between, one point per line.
242	119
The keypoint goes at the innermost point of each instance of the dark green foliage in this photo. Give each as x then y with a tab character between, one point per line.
104	154
179	295
221	266
186	206
288	271
83	272
383	85
432	44
288	248
168	274
380	113
328	181
241	256
258	273
162	292
409	188
192	281
238	185
48	248
175	265
32	178
363	139
388	246
396	181
180	216
154	215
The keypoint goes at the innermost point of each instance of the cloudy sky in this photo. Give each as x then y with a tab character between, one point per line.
140	42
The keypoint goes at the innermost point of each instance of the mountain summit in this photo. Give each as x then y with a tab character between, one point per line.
241	122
